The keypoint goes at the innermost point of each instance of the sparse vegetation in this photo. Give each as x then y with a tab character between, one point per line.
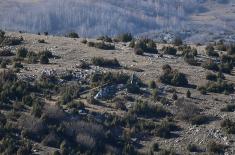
74	107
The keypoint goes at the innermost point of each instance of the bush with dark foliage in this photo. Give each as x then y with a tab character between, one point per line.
22	52
6	52
173	77
169	50
145	46
228	126
105	39
72	35
126	37
111	63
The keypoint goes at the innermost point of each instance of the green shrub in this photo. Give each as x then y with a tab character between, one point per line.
17	65
218	87
187	50
228	126
99	61
210	65
221	46
84	41
126	37
6	52
2	34
173	77
169	50
37	108
22	52
231	49
227	59
199	119
91	44
226	68
4	64
105	39
44	59
68	93
148	110
167	152
214	147
101	45
51	140
155	147
212	53
174	96
189	112
152	84
177	41
155	94
27	100
56	152
3	120
46	53
193	148
7	76
132	43
133	88
138	51
32	57
188	94
209	48
25	149
42	41
210	76
228	108
8	145
11	41
109	77
191	60
84	65
72	35
166	68
165	128
145	46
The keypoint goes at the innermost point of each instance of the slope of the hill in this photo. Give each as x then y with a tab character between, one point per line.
64	105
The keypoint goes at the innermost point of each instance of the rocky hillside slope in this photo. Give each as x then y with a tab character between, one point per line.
66	95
